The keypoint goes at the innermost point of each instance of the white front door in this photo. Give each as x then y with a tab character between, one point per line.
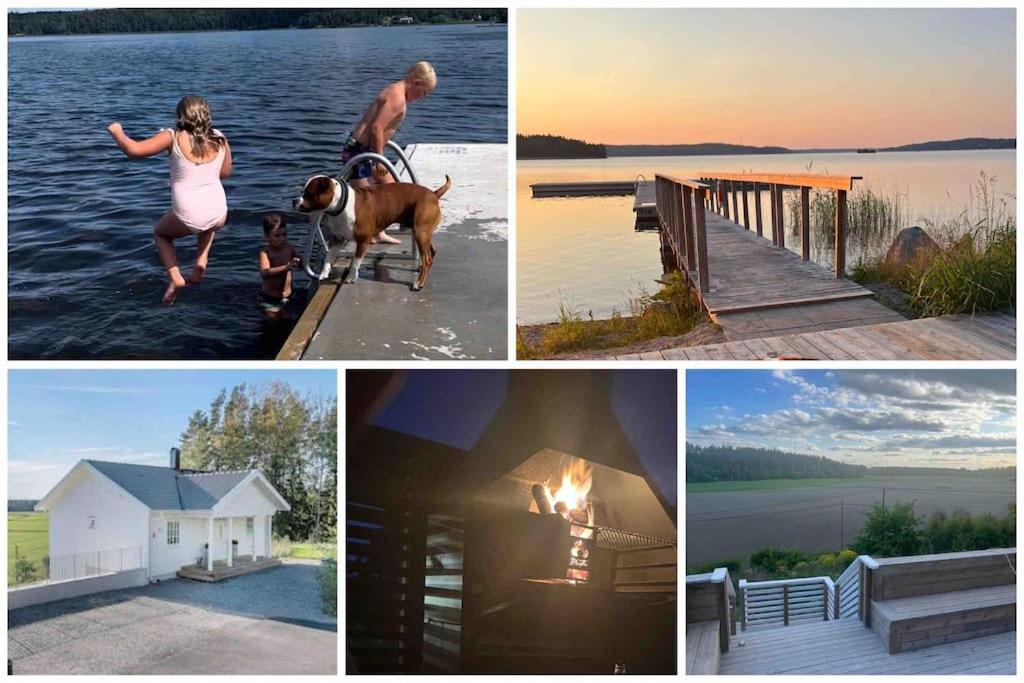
156	544
220	539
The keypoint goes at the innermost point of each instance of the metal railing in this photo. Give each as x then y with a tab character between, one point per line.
318	251
737	185
74	565
681	206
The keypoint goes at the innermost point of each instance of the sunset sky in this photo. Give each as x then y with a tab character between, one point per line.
797	78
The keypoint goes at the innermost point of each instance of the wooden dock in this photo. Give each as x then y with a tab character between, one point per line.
954	337
601	188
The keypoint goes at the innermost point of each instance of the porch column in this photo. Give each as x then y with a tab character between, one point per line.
269	525
231	538
209	543
252	539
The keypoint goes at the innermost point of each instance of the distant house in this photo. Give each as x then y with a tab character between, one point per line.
404	20
165	518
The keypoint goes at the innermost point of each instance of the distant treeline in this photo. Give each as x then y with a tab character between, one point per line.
741	463
22	505
556	147
198	19
952	145
700	149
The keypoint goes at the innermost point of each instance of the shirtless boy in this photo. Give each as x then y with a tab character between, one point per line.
277	260
379	124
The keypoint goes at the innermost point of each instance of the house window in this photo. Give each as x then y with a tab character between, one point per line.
250	526
173	533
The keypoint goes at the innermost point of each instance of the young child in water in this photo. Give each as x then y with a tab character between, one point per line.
199	158
277	260
379	124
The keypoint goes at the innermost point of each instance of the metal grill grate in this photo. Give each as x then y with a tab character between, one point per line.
616	539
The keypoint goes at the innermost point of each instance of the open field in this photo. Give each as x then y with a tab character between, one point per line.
27	536
818	515
768	484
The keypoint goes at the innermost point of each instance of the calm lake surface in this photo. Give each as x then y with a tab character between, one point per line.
584	250
84	278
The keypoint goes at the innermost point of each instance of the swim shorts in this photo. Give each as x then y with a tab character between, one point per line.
353	148
271	304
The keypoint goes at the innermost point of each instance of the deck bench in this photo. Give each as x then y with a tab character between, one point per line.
703	654
921	621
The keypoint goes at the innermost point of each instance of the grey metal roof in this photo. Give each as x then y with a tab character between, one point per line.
161	488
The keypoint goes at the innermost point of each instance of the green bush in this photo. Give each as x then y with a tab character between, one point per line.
328	579
24	571
890	532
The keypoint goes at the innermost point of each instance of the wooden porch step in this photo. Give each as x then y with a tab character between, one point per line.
926	620
221	573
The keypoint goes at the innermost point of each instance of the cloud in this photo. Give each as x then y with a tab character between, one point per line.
12	423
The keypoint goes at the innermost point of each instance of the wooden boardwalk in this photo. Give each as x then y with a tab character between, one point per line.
747	273
954	337
846	647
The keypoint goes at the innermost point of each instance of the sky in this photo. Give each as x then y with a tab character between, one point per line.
56	418
799	78
933	418
454	407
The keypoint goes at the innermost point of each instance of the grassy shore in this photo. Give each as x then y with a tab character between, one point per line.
766	484
654	321
973	271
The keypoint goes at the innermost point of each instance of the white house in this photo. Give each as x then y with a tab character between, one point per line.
161	518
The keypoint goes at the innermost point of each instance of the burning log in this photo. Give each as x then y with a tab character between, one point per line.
540	497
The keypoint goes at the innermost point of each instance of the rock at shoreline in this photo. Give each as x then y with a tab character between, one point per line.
912	245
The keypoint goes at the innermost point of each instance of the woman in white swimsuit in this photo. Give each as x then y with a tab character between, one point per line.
199	158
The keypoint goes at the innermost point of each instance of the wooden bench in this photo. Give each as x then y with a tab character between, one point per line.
702	650
922	621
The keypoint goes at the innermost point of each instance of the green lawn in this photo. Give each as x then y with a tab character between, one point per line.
307	551
28	537
769	484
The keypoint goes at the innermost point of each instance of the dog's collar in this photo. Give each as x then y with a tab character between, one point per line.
345	194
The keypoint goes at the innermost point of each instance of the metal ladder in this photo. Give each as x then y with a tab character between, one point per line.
318	251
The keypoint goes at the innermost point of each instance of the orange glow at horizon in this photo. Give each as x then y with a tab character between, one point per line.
799	79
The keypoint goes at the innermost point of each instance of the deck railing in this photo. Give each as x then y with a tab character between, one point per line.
681	205
90	563
848	587
786	601
726	186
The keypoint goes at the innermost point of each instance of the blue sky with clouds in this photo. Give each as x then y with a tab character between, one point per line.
928	418
56	418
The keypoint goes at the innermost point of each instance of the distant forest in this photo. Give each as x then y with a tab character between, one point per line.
741	463
699	149
197	19
556	147
951	145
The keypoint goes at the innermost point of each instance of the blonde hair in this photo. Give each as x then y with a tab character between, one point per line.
423	71
194	118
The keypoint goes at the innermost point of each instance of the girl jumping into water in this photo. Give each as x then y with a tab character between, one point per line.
199	157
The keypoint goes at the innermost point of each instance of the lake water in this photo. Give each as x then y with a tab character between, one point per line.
584	251
84	279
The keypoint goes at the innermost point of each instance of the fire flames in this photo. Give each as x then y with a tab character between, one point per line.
570	500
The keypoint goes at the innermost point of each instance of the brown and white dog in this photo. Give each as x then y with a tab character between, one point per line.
357	214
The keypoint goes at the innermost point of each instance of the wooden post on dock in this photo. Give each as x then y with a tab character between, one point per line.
757	209
840	233
746	211
701	240
727	184
782	218
676	198
805	223
775	218
688	213
735	199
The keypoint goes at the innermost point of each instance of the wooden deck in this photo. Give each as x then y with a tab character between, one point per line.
954	337
222	571
748	273
846	647
703	656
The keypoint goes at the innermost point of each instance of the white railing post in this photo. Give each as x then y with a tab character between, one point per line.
743	603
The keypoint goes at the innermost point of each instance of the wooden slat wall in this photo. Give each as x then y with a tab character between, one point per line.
442	627
701	602
927	577
384	581
646	571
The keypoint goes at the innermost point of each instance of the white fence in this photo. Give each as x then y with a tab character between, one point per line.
786	601
80	565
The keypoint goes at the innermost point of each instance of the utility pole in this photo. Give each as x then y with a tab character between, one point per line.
842	519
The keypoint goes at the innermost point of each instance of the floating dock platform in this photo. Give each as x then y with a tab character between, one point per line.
461	314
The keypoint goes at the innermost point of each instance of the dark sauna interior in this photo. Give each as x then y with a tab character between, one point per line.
542	548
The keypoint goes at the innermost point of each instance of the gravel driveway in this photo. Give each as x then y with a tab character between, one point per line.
266	622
